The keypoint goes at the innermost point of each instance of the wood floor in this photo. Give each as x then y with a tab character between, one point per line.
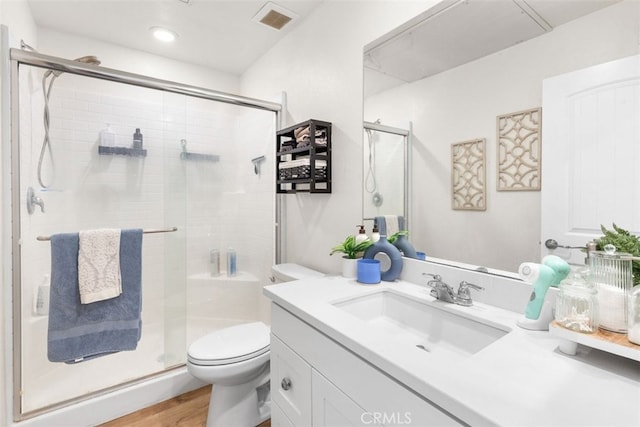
187	410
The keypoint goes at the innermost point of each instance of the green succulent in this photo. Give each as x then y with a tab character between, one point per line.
350	248
625	242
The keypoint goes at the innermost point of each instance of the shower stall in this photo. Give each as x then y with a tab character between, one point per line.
192	182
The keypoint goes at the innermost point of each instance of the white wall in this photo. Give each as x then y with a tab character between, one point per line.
319	65
462	104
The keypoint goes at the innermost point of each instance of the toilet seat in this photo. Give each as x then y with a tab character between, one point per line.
230	345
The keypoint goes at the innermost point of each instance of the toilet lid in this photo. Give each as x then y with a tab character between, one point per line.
230	345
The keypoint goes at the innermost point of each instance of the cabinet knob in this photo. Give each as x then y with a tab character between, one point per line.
285	384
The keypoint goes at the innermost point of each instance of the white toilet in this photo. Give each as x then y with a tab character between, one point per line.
236	361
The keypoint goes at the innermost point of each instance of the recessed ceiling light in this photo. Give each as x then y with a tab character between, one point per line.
163	34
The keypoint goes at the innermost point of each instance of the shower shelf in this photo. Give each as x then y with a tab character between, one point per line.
121	151
313	175
199	157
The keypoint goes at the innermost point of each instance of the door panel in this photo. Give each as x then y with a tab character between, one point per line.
590	154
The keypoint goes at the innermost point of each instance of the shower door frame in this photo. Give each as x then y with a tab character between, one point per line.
406	135
17	57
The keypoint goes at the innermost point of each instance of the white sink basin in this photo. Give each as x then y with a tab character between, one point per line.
420	324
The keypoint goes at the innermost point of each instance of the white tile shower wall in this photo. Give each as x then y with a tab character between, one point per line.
212	200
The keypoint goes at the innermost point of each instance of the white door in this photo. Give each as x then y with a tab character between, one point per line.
590	154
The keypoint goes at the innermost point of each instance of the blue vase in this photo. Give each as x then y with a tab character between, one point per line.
383	246
402	243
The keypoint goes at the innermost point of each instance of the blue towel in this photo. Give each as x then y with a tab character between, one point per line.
79	332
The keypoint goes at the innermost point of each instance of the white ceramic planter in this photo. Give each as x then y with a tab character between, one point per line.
349	268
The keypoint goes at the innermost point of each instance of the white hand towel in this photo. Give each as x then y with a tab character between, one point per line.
392	224
99	265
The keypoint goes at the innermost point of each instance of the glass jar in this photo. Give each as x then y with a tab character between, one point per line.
633	334
577	304
611	272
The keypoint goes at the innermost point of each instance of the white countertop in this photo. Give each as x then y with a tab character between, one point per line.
519	380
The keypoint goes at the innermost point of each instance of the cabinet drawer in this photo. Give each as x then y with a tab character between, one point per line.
290	383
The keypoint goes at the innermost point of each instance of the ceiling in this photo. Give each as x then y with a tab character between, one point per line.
219	34
459	31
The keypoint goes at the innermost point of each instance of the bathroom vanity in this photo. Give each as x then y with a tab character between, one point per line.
344	353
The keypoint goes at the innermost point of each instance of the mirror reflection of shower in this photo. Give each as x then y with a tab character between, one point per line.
47	84
385	177
370	183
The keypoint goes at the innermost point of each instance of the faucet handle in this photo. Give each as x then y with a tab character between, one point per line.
436	277
464	296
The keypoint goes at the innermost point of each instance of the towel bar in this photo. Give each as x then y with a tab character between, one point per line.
149	231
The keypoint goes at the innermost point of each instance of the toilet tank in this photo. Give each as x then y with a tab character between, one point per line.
289	271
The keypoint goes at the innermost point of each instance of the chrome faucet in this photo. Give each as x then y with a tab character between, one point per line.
443	292
439	289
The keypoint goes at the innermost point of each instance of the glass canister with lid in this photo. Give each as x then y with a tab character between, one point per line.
633	335
577	303
611	273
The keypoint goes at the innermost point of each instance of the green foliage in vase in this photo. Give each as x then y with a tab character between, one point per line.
350	248
395	236
625	242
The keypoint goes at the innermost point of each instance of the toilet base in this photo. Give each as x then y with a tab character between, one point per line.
241	405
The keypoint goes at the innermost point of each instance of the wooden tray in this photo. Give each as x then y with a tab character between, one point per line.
610	342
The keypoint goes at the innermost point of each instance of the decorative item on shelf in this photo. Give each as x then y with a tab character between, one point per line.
185	155
301	169
352	251
577	303
383	246
625	242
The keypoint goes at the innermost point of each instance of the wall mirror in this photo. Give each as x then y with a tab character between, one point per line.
450	72
386	171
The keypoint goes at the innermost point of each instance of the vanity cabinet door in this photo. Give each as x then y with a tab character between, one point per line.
331	407
290	383
278	418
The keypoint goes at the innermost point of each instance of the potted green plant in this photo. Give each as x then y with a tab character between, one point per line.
352	250
625	242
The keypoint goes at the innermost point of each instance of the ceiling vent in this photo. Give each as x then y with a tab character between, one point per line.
274	16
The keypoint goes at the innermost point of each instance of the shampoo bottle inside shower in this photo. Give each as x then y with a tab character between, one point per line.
137	140
107	137
231	262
